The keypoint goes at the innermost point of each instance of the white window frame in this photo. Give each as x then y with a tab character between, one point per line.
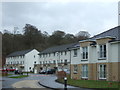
85	71
85	52
75	69
102	73
75	52
102	51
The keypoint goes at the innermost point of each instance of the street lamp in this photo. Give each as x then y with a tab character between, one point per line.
65	83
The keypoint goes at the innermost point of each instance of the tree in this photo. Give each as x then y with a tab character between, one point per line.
32	36
82	35
56	38
69	38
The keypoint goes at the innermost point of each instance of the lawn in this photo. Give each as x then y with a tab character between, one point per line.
20	76
91	83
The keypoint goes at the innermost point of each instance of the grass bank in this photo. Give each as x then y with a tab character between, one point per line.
91	83
20	76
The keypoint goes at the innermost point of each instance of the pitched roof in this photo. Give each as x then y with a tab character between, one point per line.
114	32
59	48
19	53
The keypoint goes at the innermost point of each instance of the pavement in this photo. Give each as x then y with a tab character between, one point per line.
49	82
27	84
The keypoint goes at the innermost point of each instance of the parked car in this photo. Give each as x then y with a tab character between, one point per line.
67	71
18	72
11	70
50	71
42	72
5	69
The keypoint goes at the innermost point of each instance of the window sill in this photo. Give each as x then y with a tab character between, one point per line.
75	72
84	60
84	78
102	78
75	56
101	58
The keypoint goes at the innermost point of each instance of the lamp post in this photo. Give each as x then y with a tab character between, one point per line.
65	83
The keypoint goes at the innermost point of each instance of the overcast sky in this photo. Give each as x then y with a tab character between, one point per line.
70	17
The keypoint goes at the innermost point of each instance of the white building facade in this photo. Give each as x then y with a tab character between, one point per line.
58	57
99	57
22	60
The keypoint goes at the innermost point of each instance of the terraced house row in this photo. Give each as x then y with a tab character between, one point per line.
97	58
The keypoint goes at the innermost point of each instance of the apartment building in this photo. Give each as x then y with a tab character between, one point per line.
99	57
22	60
58	57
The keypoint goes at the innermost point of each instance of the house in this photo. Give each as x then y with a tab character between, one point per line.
22	60
58	57
99	57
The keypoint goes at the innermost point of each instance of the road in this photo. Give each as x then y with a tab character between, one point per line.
27	82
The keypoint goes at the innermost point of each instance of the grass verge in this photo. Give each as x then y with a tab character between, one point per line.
21	76
91	83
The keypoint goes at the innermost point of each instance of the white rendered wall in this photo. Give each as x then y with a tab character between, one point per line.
115	55
75	59
30	59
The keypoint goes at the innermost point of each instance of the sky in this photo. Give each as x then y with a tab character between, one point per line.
70	17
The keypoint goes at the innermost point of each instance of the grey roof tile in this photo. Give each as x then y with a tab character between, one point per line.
114	32
59	48
19	53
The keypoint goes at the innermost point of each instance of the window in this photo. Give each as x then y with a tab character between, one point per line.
75	52
23	62
49	62
34	62
20	62
49	54
84	71
43	55
65	62
65	53
43	62
75	69
61	61
17	62
61	53
54	61
40	56
46	62
102	53
58	61
54	53
40	62
46	55
84	53
102	71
